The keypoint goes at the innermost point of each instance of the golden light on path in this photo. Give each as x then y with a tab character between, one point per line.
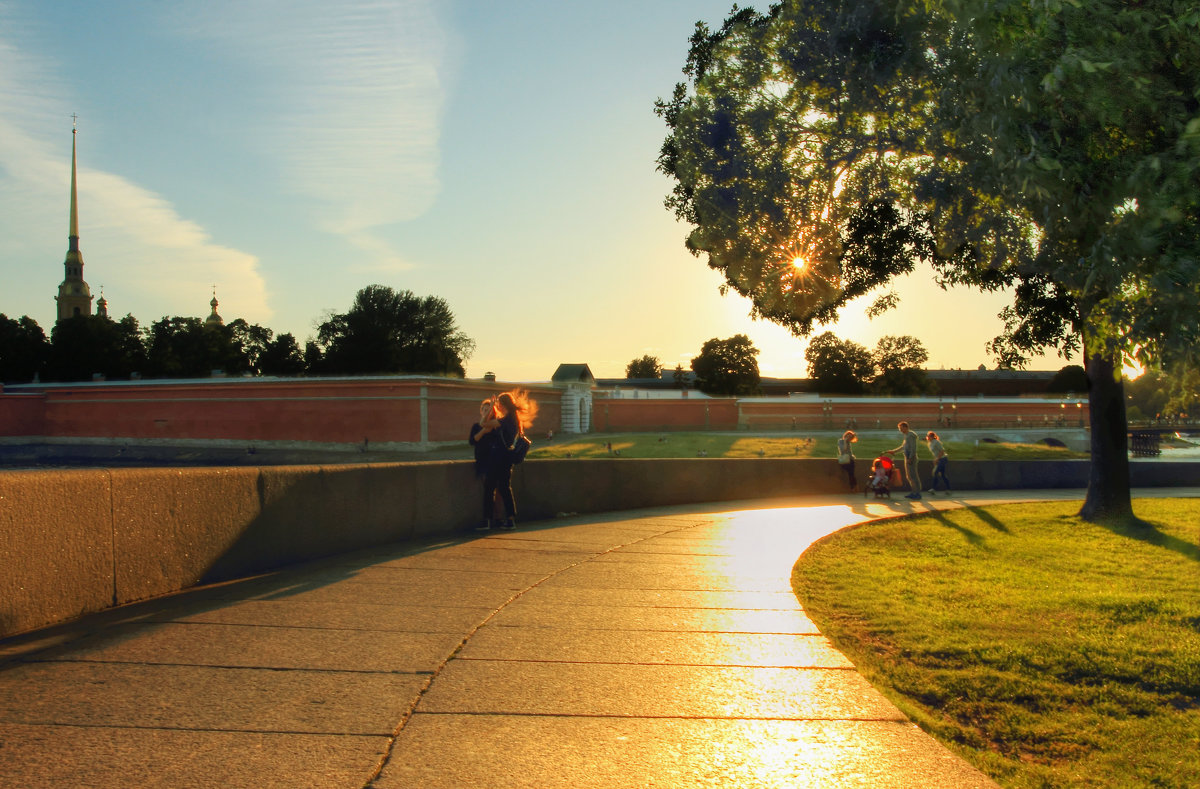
759	546
748	555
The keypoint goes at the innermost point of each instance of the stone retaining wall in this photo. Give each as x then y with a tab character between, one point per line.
81	540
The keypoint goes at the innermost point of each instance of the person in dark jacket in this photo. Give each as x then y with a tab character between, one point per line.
514	412
482	439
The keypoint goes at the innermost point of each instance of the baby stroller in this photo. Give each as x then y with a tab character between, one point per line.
883	474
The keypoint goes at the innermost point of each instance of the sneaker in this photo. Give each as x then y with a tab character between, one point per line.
485	525
507	524
913	495
931	492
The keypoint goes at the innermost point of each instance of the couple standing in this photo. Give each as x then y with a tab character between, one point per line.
501	421
908	450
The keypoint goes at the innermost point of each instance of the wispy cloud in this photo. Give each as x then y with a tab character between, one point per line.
152	260
356	100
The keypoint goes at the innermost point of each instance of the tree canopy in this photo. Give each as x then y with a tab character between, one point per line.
1053	149
838	366
645	367
23	349
900	366
727	367
390	331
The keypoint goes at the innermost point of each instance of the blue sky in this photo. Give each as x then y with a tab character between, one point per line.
498	155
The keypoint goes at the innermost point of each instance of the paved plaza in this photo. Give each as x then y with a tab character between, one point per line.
653	648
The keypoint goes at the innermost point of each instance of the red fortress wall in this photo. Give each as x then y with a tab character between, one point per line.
417	411
379	411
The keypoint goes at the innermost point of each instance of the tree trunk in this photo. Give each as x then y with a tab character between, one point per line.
1108	481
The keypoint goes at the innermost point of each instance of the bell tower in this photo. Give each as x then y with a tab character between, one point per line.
74	295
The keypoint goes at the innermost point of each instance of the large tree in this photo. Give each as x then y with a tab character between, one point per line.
1050	148
187	347
23	349
252	341
88	345
389	331
900	366
282	356
646	367
838	366
727	367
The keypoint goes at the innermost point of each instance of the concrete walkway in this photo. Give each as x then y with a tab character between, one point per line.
654	648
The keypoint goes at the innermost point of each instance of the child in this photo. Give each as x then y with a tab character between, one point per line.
881	474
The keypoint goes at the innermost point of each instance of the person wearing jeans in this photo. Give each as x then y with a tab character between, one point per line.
908	451
939	462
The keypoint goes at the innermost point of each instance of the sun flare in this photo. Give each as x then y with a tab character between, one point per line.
799	264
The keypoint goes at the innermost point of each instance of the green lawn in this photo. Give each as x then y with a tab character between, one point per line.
733	445
1046	650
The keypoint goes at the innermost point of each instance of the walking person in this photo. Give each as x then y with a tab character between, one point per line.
939	462
515	412
845	458
908	451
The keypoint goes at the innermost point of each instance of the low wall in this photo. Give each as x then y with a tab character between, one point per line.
81	540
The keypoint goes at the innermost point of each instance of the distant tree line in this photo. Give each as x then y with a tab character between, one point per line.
894	367
730	366
384	331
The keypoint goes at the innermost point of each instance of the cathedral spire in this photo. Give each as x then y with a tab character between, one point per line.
73	234
74	296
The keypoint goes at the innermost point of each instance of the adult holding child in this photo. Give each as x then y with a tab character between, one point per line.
515	412
845	458
482	439
908	451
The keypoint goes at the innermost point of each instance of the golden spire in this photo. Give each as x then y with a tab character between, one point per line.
74	296
73	234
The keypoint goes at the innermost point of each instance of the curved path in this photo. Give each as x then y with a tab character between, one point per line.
652	648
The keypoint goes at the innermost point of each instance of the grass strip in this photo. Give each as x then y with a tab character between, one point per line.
734	445
1045	650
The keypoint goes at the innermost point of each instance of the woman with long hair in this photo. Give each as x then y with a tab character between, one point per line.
845	450
515	413
939	462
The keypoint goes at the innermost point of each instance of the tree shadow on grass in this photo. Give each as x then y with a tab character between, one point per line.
970	536
989	519
1150	533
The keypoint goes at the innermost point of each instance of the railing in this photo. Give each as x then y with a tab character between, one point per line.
1144	443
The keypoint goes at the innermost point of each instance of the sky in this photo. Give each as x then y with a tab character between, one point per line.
500	156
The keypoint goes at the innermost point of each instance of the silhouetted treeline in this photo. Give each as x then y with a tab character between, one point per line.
384	331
